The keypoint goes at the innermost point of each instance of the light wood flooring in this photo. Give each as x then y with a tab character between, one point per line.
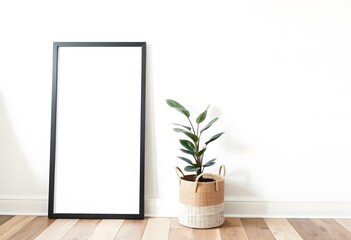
35	227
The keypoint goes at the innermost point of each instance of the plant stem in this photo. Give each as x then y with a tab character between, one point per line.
191	124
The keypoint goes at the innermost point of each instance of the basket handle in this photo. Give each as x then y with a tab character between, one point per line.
222	171
179	172
214	176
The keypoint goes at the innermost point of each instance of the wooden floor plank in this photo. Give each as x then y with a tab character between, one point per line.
332	229
13	225
57	229
157	228
4	218
32	229
180	232
82	229
282	229
233	229
107	229
132	230
307	229
346	223
257	229
207	234
42	228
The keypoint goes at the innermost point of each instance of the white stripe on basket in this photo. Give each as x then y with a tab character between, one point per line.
201	217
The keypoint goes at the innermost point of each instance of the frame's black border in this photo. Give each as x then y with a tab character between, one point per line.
56	46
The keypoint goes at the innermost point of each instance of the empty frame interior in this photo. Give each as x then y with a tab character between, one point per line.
97	135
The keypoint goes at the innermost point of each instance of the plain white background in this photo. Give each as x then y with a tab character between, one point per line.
98	134
277	73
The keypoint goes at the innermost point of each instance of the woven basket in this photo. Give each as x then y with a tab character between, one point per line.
201	203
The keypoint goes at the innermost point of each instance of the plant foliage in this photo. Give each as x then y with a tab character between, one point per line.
191	145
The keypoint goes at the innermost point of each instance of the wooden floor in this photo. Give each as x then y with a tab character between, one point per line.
33	227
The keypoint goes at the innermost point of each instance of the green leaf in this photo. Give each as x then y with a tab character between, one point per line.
189	134
186	160
188	145
210	163
209	124
179	130
192	136
187	152
199	153
191	168
214	137
202	116
178	106
186	127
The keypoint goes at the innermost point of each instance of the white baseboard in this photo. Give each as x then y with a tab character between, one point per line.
157	207
288	209
22	205
165	208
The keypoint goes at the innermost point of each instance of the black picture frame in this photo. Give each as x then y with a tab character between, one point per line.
97	141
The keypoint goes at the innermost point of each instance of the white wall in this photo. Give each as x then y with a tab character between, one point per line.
276	72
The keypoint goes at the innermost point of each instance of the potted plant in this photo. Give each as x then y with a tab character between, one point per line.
201	195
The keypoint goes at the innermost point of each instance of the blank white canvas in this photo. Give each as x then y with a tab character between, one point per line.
97	165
